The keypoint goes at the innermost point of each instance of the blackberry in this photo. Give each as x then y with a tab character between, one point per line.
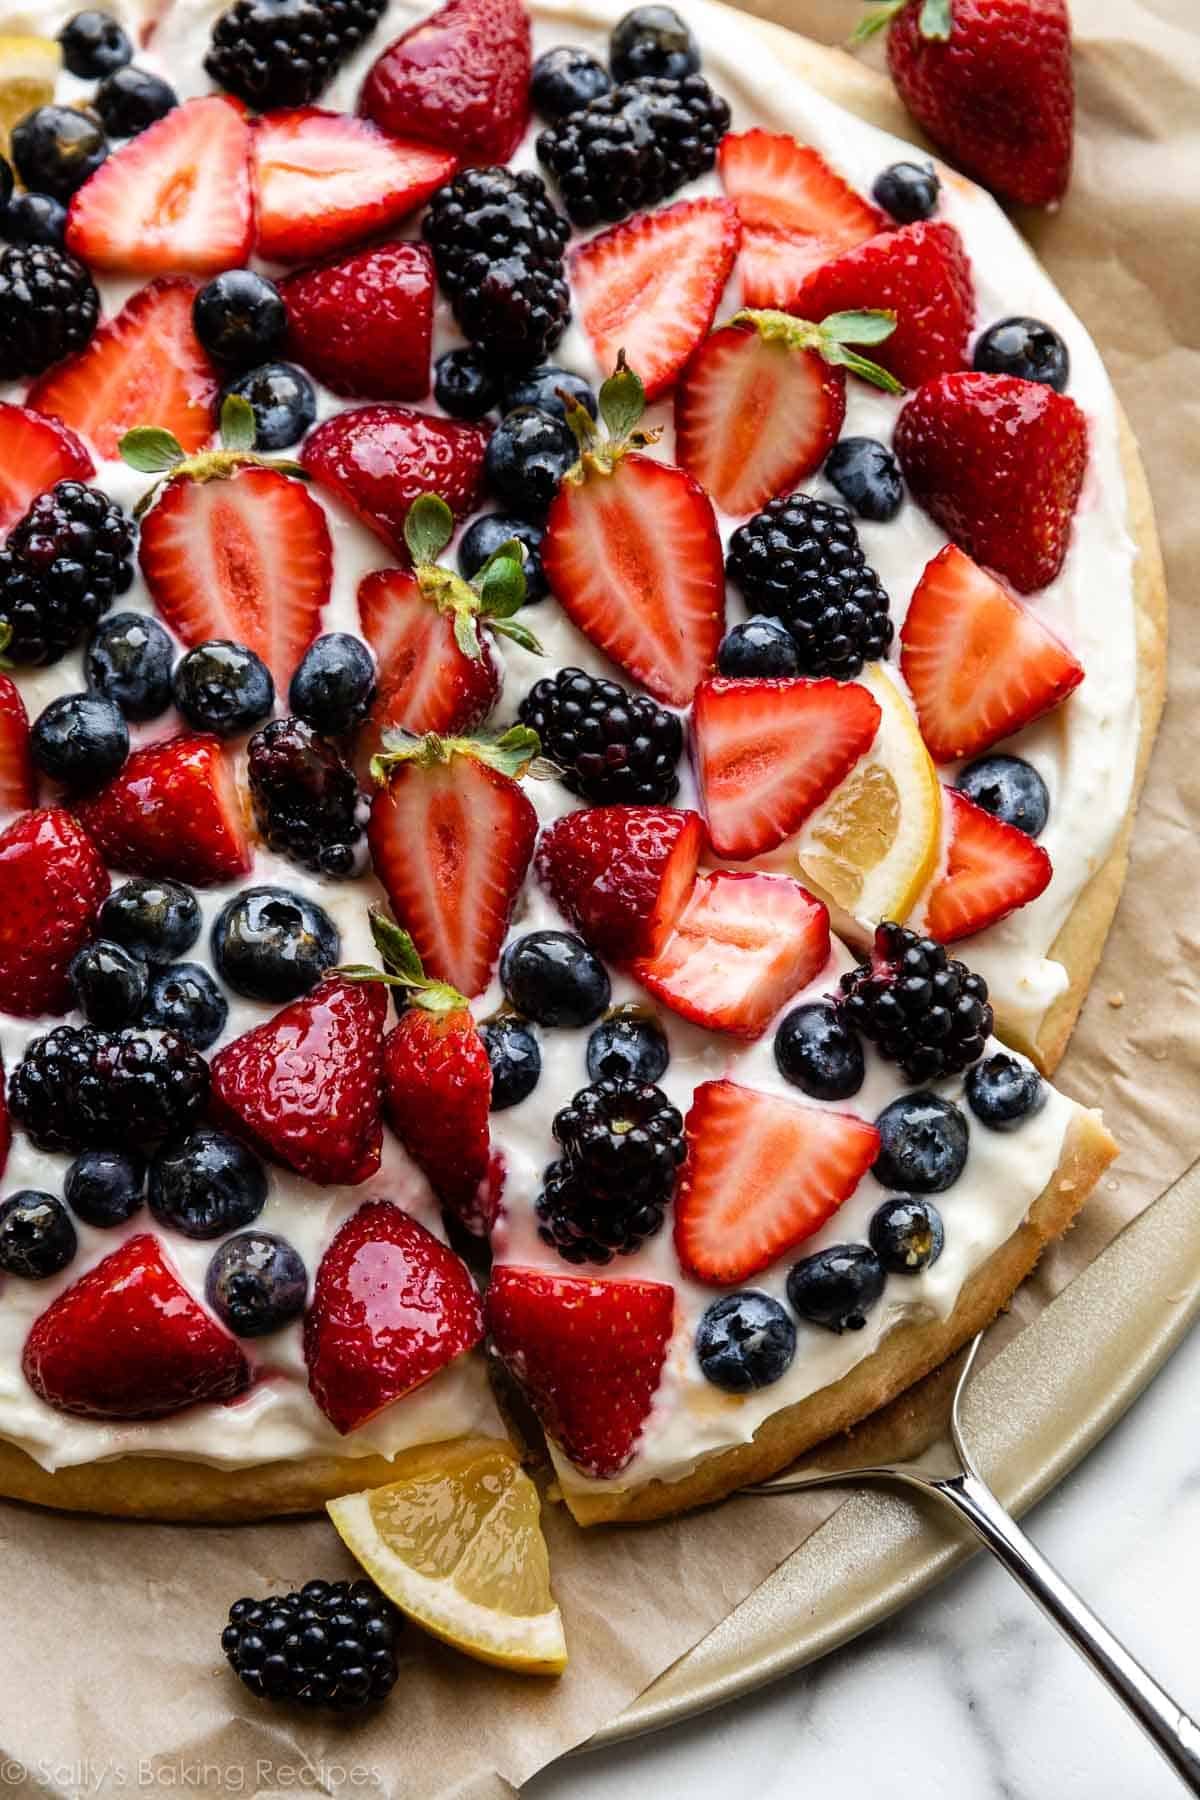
78	1088
920	1008
612	747
628	149
498	246
623	1141
48	307
306	799
62	566
283	52
331	1644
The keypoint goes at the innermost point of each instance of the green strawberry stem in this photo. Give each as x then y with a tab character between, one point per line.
511	753
831	339
493	594
155	451
935	22
622	403
402	968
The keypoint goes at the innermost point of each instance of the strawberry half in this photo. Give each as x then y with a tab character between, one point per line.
364	326
762	1174
459	77
978	663
35	452
622	874
651	285
991	869
741	947
172	812
588	1353
45	855
378	460
176	198
18	783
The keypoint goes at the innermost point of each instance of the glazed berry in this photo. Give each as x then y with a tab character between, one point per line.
109	984
61	567
50	1090
37	1238
564	80
129	662
80	740
93	44
34	219
1027	348
334	684
527	456
105	1187
48	307
498	247
652	40
544	388
867	476
630	1045
759	647
223	687
745	1342
907	1234
923	1144
256	1284
206	1184
284	52
1002	1091
464	385
516	1060
923	1009
908	191
553	978
837	1287
129	100
55	148
157	920
630	148
622	1142
1010	789
484	538
331	1644
269	944
306	799
78	1088
184	998
799	560
283	401
818	1052
240	318
611	747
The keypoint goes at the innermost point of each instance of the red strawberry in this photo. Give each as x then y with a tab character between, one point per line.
52	883
762	1174
172	812
978	664
437	1095
459	77
622	874
175	198
920	273
35	453
377	460
326	180
999	463
742	946
795	212
650	286
364	326
426	681
18	785
991	869
588	1353
128	1341
145	367
304	1088
768	752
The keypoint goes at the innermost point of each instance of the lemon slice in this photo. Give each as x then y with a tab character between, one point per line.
28	71
873	845
456	1543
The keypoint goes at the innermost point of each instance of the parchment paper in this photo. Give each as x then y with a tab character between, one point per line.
111	1678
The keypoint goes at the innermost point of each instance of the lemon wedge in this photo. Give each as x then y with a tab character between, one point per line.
873	845
455	1541
28	71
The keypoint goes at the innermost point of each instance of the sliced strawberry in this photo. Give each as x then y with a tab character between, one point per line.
172	812
145	367
437	1094
622	874
795	212
459	77
426	681
761	1175
364	326
247	558
651	285
35	452
52	883
742	946
176	198
377	460
991	869
768	752
978	663
326	180
588	1353
18	784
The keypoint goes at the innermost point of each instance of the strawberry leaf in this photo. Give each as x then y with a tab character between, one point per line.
397	951
239	430
150	449
466	634
875	20
428	528
622	400
511	753
859	327
500	584
519	634
861	365
934	22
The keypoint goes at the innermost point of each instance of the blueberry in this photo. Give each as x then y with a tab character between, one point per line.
564	80
56	148
37	1238
184	998
109	983
80	740
129	662
516	1060
256	1283
867	476
836	1287
130	99
907	1234
631	1046
206	1184
908	191
7	180
105	1187
745	1341
543	387
923	1144
283	401
652	40
552	977
1027	348
34	219
269	944
334	684
819	1053
223	687
527	456
240	318
759	647
157	920
1002	1090
93	44
464	385
484	538
1010	789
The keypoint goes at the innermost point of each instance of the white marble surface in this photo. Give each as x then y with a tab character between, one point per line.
970	1694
